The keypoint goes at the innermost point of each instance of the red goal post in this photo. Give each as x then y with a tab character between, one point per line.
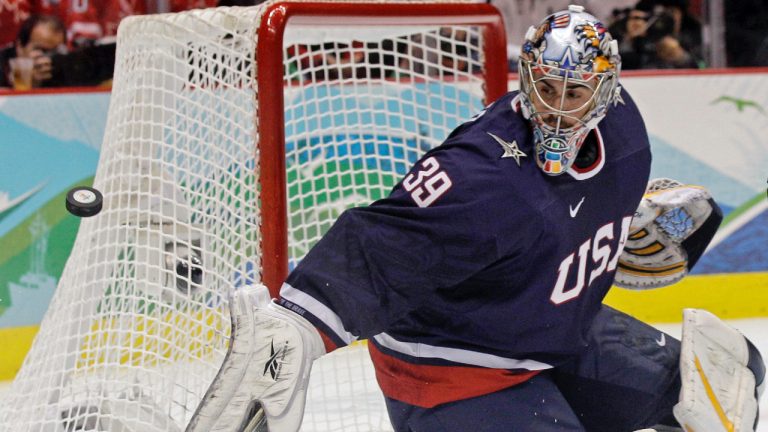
270	88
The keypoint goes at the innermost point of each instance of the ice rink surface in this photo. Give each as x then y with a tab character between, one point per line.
363	407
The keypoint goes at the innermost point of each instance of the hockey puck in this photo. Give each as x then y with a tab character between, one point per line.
84	201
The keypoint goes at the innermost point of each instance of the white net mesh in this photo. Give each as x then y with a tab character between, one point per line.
139	324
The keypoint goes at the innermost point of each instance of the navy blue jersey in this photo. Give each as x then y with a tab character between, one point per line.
478	261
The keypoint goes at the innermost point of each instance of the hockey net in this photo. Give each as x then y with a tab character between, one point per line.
235	137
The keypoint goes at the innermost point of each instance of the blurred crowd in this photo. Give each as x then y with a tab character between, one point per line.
663	34
658	34
54	43
430	53
57	43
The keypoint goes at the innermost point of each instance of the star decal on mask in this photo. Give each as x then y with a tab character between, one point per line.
617	99
510	149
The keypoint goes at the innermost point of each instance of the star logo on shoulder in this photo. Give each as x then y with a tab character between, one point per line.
617	99
510	149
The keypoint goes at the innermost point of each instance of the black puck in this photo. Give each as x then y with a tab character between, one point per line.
84	201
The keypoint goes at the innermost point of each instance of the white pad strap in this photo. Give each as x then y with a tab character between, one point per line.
718	390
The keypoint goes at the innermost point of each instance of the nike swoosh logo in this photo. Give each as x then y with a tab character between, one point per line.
575	210
661	341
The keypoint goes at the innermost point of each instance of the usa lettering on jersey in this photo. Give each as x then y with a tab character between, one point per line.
600	249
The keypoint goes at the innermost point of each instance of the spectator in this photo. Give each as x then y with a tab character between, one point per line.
86	66
40	37
90	20
182	5
452	43
686	38
658	34
12	14
113	11
85	20
430	53
433	53
519	14
328	61
637	49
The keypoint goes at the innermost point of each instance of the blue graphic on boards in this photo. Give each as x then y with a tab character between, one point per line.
670	162
421	109
36	165
34	160
743	251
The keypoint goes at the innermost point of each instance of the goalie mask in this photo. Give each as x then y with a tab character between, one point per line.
569	68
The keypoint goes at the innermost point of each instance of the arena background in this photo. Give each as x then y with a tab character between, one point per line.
706	128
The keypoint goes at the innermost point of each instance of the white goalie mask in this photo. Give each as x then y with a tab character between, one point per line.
569	69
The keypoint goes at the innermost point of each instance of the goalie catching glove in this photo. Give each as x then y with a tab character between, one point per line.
670	231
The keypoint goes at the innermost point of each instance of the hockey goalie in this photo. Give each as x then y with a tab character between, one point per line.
479	280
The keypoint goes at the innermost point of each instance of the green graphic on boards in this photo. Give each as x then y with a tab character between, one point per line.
740	104
34	254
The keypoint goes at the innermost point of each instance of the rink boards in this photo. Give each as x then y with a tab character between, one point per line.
36	233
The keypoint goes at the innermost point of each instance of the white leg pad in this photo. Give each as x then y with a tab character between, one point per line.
718	390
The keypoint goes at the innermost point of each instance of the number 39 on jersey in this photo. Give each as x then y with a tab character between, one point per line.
428	183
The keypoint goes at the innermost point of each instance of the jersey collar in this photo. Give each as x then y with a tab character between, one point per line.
597	166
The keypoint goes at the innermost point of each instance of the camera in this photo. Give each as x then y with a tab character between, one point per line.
660	23
86	66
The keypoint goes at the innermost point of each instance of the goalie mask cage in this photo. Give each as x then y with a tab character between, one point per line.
235	136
